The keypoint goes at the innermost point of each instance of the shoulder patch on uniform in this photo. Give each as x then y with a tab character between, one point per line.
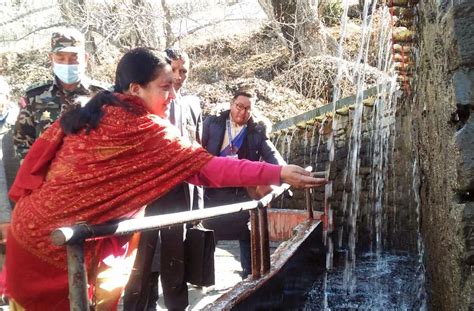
22	102
39	85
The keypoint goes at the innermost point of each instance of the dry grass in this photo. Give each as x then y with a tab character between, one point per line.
25	69
315	77
275	102
256	61
261	55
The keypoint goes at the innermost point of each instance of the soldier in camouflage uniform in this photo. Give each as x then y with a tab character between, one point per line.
44	103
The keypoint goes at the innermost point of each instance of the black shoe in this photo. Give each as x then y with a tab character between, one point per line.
244	274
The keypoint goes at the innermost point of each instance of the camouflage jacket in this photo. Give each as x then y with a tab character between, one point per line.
43	104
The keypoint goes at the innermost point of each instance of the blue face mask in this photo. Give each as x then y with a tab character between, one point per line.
68	73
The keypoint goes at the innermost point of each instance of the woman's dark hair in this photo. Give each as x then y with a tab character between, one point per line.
139	65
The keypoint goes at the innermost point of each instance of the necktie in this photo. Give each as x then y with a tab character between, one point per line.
172	113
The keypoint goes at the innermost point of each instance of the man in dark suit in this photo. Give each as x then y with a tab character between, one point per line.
162	252
236	133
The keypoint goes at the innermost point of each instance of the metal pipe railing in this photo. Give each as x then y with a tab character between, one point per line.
77	277
74	237
83	231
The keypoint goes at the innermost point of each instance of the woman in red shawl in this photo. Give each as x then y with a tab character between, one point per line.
105	161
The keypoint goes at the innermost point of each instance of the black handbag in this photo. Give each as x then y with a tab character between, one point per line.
199	247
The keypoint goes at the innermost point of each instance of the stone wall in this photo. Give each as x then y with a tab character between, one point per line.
429	176
304	146
444	139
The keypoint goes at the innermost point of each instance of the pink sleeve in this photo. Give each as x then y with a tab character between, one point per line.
227	172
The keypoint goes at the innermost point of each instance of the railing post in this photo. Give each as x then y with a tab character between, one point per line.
255	244
309	205
264	240
78	298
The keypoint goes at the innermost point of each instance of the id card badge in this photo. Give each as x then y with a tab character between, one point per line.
233	156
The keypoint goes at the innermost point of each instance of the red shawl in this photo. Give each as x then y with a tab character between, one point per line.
128	161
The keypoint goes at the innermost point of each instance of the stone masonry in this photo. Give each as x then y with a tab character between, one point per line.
444	143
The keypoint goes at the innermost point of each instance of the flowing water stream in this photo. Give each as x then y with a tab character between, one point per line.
373	277
385	281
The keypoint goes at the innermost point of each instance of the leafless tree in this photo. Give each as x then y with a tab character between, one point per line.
125	24
71	9
168	32
300	26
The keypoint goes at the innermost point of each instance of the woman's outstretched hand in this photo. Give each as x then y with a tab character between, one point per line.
300	178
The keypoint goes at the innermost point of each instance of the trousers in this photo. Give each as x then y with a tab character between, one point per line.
160	253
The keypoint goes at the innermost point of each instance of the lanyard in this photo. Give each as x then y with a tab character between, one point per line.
229	133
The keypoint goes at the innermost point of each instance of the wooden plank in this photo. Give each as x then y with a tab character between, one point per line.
282	222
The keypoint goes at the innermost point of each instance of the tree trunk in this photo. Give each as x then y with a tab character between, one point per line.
136	35
72	11
300	26
168	31
285	13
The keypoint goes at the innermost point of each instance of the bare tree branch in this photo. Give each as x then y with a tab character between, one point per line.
31	12
213	23
35	31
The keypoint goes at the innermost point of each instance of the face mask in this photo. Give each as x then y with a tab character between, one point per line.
68	73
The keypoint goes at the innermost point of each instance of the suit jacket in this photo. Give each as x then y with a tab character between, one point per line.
256	144
192	196
255	147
